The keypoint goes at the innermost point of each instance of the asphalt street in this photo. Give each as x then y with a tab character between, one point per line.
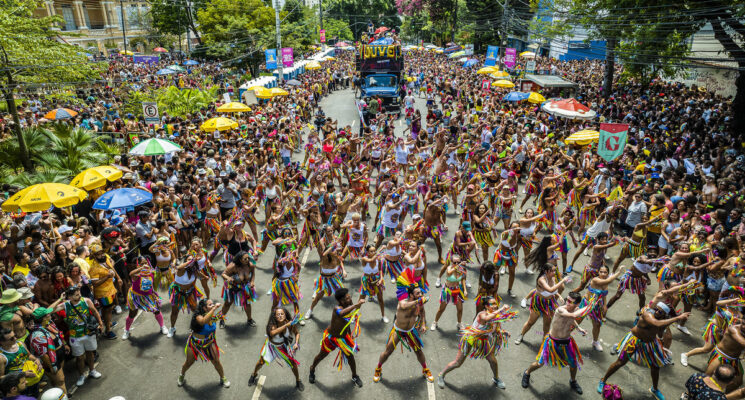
147	365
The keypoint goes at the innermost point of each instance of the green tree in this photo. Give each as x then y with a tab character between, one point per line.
337	28
31	54
293	11
174	17
357	13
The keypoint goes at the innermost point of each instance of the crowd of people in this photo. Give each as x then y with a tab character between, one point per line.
369	199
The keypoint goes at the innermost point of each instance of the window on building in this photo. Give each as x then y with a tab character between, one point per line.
118	17
86	16
133	17
69	17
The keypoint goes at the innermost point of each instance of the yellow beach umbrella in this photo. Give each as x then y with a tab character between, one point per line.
487	70
503	83
536	98
500	74
96	177
279	92
218	124
313	65
263	93
527	54
44	195
126	53
328	58
233	106
583	137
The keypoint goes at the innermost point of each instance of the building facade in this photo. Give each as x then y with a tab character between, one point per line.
95	25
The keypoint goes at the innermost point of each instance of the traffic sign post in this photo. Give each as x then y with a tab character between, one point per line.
150	111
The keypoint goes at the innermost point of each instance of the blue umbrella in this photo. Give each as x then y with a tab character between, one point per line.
165	71
516	96
122	198
191	62
470	63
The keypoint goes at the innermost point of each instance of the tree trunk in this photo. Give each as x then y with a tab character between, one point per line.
11	104
738	105
610	66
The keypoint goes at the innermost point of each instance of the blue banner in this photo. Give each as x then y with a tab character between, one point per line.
146	59
492	52
271	58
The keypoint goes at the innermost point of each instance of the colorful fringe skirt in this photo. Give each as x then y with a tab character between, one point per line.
385	231
481	345
285	291
451	295
356	252
561	239
506	258
589	272
213	225
393	268
432	232
328	284
370	286
242	295
668	273
716	326
184	300
162	279
543	305
559	353
271	351
526	242
347	347
597	313
634	284
202	348
483	238
307	234
588	240
724	358
149	303
409	340
532	188
644	354
637	249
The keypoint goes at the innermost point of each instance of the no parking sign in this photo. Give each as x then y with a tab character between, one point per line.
150	111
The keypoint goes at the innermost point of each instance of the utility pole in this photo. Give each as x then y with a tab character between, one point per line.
124	26
188	35
279	42
320	18
504	31
455	20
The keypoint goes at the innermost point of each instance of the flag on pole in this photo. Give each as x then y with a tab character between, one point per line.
612	140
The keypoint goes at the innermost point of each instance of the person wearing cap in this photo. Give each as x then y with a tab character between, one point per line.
11	315
47	344
103	277
643	346
79	313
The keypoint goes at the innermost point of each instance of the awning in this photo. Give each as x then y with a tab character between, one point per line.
550	81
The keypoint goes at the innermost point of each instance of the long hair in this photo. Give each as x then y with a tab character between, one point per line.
487	270
272	322
539	254
543	269
201	310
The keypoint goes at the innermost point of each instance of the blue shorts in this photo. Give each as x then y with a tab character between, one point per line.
715	284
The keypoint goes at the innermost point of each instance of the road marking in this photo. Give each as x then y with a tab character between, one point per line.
353	123
430	390
305	257
259	386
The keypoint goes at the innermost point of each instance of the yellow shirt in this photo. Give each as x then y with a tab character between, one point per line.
656	227
21	269
84	266
101	272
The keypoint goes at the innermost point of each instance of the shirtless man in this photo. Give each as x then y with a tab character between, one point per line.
728	351
434	219
409	317
643	346
341	334
343	201
559	348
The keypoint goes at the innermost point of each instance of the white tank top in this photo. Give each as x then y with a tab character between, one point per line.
390	218
160	258
185	279
643	268
357	236
371	269
394	252
286	271
527	231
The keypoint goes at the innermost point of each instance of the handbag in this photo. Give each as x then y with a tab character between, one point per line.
91	323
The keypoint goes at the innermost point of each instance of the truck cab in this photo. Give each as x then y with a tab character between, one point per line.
380	67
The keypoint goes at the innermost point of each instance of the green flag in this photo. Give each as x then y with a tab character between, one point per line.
612	140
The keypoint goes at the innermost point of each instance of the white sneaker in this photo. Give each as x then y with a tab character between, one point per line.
118	309
125	335
597	346
164	330
434	326
683	329
302	322
524	303
519	339
385	319
393	281
683	360
224	382
171	332
460	326
309	314
502	271
468	284
438	283
530	271
586	253
94	374
607	257
180	381
269	292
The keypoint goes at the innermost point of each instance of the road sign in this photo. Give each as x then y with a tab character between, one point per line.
530	66
150	111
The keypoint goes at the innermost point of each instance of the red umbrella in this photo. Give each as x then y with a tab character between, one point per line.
160	50
571	105
341	44
381	30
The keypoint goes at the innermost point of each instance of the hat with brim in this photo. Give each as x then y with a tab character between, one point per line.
10	296
25	293
41	312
